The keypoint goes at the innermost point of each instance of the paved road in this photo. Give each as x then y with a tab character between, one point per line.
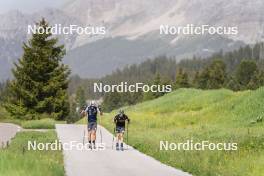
7	132
108	162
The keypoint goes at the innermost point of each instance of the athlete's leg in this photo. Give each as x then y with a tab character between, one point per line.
117	140
94	127
121	137
89	132
117	137
93	135
89	135
89	138
121	141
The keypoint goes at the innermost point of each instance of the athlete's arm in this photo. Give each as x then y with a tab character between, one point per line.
128	120
115	119
99	109
86	110
83	111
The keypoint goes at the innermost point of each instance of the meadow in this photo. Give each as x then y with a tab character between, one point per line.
17	160
211	115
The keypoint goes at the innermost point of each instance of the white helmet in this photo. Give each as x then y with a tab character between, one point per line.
92	103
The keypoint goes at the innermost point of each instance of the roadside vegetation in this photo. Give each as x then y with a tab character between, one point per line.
43	123
34	124
17	160
213	115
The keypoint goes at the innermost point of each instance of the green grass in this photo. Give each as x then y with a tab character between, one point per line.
15	162
45	123
34	124
40	124
214	115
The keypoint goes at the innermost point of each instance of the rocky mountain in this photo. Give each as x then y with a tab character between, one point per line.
135	18
133	31
13	32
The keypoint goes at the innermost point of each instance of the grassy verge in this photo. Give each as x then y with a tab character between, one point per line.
14	161
34	124
40	124
215	116
45	123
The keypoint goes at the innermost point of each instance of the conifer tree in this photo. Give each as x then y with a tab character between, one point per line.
40	79
232	84
157	81
80	97
182	79
245	72
195	80
217	74
203	79
256	81
213	76
112	100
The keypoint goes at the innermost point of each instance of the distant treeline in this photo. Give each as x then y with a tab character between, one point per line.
237	70
2	91
168	67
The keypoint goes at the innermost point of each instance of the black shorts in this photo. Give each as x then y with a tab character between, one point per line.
120	129
92	126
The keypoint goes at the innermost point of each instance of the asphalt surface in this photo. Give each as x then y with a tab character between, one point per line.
107	162
7	132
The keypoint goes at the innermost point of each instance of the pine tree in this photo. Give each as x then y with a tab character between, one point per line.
137	97
152	95
182	79
148	96
112	100
213	76
245	72
217	74
203	79
80	97
4	91
41	80
157	81
261	79
195	80
232	84
257	80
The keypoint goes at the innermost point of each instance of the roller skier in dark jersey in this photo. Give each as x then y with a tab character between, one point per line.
91	112
120	121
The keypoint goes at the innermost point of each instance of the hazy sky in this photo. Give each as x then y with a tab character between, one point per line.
28	5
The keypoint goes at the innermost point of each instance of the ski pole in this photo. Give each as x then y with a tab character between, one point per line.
101	131
127	136
113	138
83	136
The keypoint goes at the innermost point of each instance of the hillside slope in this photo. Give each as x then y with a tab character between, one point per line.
190	114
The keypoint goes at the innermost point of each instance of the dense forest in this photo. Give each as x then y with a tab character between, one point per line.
237	70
